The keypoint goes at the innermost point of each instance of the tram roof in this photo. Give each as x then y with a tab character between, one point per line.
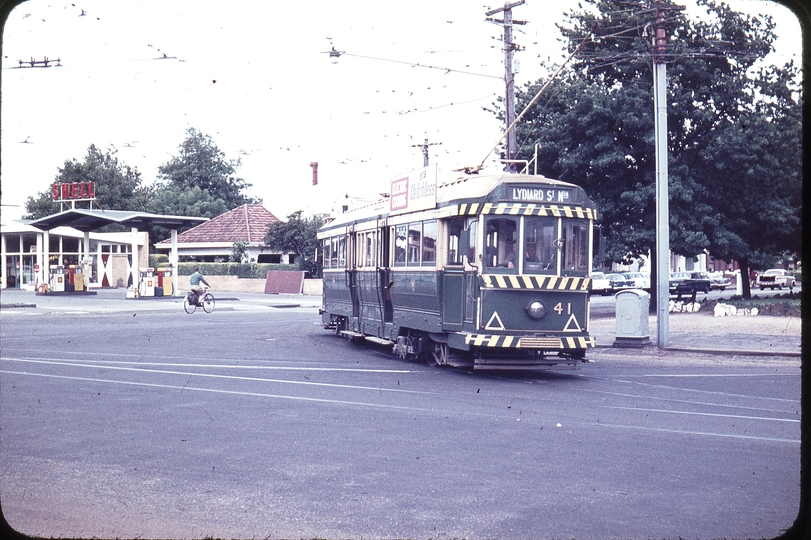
452	189
85	219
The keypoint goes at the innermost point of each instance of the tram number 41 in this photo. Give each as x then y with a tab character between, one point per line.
559	308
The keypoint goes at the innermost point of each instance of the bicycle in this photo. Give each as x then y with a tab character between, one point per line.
192	301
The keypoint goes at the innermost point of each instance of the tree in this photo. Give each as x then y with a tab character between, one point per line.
298	236
117	186
595	129
198	182
239	252
200	168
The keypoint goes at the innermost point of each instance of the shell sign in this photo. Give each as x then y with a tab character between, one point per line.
73	191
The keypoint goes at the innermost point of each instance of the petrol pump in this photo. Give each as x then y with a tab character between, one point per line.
76	278
165	280
87	272
57	278
147	284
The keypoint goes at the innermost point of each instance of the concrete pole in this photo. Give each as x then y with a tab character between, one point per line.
3	250
46	257
662	194
173	261
135	261
38	279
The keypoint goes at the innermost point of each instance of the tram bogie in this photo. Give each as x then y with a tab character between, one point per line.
491	273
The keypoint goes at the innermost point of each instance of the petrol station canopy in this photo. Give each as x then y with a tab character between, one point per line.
92	219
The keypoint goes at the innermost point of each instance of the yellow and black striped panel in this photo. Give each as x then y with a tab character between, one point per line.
527	209
530	342
549	283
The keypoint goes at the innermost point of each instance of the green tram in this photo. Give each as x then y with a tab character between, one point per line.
493	272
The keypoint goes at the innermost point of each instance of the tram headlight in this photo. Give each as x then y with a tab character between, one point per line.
536	309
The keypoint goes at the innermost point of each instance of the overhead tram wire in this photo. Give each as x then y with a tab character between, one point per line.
335	54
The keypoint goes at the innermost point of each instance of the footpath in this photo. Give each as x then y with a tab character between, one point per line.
700	333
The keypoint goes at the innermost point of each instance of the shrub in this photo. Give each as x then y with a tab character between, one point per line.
241	270
158	259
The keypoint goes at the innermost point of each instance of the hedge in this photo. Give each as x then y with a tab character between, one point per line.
242	270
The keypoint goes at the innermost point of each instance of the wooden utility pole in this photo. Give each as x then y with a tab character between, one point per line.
509	79
424	147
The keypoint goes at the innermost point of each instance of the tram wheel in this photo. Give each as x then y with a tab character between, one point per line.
340	325
439	355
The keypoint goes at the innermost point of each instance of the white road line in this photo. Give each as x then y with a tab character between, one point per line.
702	433
102	363
693	390
213	376
232	392
691	413
700	375
689	402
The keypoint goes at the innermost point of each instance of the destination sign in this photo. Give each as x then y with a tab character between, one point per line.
544	195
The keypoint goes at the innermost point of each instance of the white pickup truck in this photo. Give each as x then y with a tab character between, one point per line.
776	278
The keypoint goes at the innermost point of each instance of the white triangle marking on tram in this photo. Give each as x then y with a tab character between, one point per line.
495	317
572	319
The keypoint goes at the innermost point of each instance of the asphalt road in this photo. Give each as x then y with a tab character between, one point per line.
254	422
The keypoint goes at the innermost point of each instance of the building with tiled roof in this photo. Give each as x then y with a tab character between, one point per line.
214	240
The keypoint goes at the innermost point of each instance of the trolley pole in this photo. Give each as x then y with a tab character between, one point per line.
509	78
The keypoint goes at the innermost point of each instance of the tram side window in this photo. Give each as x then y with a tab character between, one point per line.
333	252
540	251
326	252
575	247
429	231
400	242
500	247
360	252
342	252
472	228
455	231
371	249
414	241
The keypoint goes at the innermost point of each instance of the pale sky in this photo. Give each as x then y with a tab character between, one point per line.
255	76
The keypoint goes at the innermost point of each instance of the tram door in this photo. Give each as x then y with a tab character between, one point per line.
352	271
384	272
453	276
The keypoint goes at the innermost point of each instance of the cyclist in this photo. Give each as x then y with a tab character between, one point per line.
194	280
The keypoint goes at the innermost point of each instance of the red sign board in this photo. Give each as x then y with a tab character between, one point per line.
73	190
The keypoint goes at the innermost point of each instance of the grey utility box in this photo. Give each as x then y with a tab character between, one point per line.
632	308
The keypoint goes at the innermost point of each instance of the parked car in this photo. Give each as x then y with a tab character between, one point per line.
619	282
599	283
641	281
776	278
689	282
719	281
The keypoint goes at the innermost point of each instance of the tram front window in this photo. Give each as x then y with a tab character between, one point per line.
500	247
575	247
540	251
